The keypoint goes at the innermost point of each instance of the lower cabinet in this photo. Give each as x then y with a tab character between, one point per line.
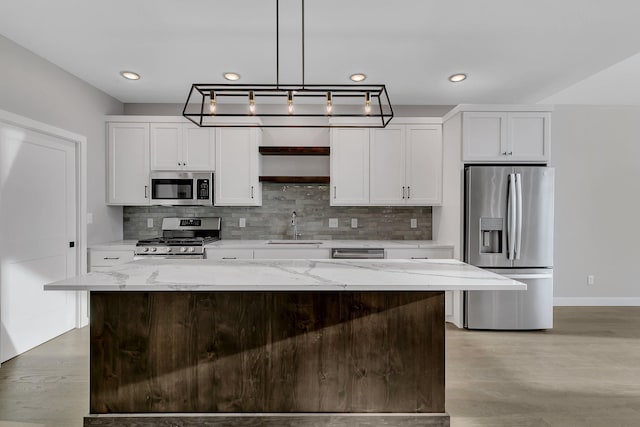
103	260
292	253
218	254
450	307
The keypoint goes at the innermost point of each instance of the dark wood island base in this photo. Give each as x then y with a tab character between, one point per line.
302	358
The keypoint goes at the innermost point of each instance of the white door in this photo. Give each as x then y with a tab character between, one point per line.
236	178
37	224
349	167
424	165
166	146
198	148
387	183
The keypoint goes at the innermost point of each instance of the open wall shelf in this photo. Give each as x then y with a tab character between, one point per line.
296	179
294	151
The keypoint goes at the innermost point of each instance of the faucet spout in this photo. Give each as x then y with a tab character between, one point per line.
294	224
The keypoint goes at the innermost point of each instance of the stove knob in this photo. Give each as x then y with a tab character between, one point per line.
145	249
183	249
167	249
192	249
154	249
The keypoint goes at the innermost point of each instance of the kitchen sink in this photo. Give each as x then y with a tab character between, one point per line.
293	242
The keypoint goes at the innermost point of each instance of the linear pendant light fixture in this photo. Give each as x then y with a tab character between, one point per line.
289	105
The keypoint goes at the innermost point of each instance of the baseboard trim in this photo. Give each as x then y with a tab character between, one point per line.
596	301
269	420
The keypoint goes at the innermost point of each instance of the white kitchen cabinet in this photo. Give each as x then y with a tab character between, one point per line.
128	164
406	165
349	165
505	137
103	260
430	253
288	253
237	167
177	146
226	253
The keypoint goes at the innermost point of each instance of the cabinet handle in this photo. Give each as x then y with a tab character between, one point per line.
146	191
252	191
504	153
403	192
334	191
111	257
229	257
419	257
510	153
408	192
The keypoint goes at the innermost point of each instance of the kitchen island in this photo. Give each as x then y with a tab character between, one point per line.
271	342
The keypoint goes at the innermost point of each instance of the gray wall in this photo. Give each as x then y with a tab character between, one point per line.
272	220
32	87
596	151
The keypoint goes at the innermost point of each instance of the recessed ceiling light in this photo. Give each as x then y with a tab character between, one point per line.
457	77
358	77
232	76
130	75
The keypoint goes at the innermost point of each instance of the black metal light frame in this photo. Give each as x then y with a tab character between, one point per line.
378	115
196	108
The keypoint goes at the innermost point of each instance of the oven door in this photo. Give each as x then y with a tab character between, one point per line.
181	188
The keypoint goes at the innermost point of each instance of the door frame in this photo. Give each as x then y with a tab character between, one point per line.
80	143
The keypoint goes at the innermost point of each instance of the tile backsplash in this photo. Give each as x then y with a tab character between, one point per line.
272	220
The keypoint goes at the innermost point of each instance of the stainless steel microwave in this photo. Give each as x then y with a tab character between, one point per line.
182	188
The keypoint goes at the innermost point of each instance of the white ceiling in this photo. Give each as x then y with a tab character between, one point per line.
514	51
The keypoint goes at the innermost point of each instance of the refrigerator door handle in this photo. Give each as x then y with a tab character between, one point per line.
511	208
518	215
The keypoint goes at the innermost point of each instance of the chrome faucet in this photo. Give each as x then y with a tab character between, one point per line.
295	226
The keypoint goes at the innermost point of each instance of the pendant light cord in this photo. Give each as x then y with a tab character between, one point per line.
302	44
277	44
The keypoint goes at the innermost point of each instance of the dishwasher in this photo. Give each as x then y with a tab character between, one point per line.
357	253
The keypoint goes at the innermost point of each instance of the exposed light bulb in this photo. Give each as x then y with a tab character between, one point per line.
290	101
329	103
367	103
212	102
252	102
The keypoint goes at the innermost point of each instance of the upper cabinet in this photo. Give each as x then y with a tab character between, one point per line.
400	165
177	146
128	164
237	167
512	137
349	165
406	165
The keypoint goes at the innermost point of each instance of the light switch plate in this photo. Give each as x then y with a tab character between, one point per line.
149	222
354	222
414	223
333	222
242	223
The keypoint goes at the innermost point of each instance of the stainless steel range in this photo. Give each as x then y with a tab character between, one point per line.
182	238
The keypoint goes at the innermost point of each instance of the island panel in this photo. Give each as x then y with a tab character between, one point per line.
212	352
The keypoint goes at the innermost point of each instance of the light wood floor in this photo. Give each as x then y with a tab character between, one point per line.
584	372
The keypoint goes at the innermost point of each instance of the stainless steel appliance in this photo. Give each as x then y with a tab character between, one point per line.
509	231
182	188
182	238
357	253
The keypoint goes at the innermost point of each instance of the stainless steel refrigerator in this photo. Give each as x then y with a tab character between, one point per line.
509	231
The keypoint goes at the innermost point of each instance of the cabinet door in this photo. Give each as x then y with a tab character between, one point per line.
387	166
349	167
419	253
423	165
236	178
166	146
128	164
484	137
529	135
104	260
218	254
198	148
291	253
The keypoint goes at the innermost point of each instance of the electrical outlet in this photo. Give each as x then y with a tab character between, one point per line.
354	222
242	223
333	222
149	222
89	218
414	223
591	279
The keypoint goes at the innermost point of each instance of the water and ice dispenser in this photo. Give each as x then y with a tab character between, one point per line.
491	235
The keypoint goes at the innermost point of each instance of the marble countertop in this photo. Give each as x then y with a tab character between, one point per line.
118	245
289	275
